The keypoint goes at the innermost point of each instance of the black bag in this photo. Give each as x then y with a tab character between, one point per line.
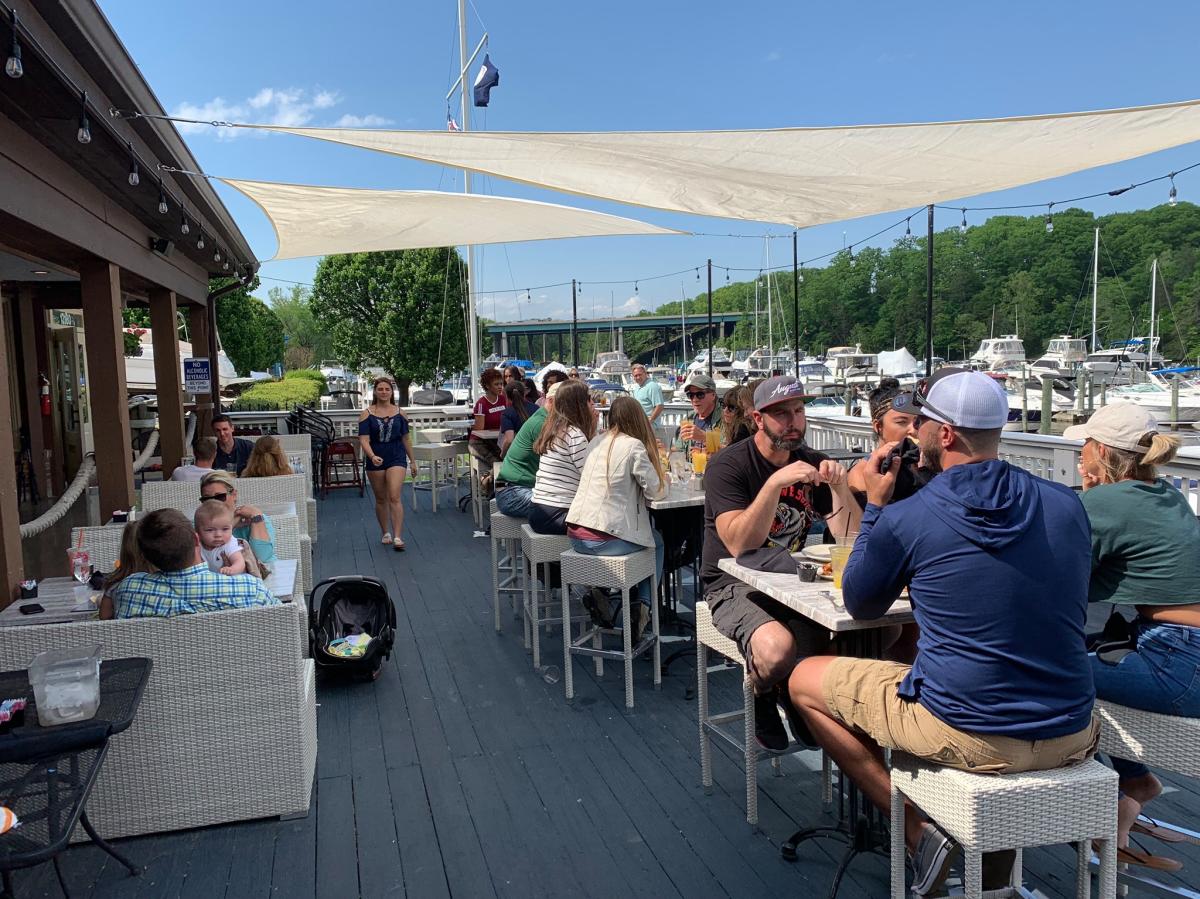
1118	639
768	558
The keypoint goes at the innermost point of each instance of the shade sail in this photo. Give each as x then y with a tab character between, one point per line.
797	176
315	221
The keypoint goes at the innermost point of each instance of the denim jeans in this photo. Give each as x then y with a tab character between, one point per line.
514	500
618	547
1162	676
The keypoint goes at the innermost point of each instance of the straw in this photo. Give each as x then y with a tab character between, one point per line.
79	541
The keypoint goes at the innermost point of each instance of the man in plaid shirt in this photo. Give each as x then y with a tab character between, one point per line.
183	584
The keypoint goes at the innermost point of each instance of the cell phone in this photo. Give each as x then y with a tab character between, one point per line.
908	452
30	608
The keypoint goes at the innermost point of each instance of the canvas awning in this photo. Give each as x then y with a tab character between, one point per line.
797	176
315	221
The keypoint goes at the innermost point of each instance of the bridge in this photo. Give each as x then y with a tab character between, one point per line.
517	338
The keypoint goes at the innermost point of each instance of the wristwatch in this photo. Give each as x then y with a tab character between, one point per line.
257	519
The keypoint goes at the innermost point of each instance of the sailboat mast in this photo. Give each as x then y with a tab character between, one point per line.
1153	299
756	280
472	285
770	321
683	321
1095	285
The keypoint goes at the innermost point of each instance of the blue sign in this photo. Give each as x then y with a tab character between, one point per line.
197	375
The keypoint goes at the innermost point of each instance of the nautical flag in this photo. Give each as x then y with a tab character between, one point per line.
451	125
488	78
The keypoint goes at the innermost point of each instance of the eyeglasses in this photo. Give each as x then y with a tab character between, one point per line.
219	497
694	394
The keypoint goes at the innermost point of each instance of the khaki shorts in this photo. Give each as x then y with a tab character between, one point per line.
863	694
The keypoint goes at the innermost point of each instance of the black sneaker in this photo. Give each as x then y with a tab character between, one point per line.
796	723
768	726
598	607
931	862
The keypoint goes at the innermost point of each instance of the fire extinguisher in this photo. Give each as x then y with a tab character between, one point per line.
45	398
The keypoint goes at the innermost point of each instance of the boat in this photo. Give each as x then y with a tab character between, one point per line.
763	363
998	353
1063	356
667	381
332	369
611	366
139	369
816	377
1123	361
1154	395
851	364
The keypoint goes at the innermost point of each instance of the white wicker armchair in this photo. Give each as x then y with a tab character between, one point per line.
102	544
227	725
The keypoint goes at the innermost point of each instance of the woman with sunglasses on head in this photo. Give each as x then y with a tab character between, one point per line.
1145	556
386	443
891	423
249	522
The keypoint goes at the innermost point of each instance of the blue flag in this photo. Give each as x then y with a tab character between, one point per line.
488	78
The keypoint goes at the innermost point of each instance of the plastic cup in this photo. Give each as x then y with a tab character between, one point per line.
712	441
699	461
838	555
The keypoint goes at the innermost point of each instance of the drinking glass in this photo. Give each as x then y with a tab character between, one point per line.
712	441
678	467
699	461
838	555
78	560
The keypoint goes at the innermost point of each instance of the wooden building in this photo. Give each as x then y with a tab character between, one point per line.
90	224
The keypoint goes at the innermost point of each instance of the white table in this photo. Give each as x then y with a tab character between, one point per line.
819	601
680	496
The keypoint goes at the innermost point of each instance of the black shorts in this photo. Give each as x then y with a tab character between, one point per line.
738	610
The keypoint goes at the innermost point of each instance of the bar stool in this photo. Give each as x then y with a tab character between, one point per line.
434	454
617	573
708	637
506	553
993	812
540	552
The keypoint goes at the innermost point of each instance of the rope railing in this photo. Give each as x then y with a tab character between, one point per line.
48	518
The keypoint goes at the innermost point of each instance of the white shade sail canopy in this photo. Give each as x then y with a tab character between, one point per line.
797	176
316	221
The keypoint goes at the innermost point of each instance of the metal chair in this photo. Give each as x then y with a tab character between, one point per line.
340	469
622	573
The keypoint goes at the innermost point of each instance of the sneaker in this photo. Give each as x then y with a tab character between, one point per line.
598	607
796	723
931	862
768	726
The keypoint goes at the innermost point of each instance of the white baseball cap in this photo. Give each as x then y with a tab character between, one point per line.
1119	425
968	399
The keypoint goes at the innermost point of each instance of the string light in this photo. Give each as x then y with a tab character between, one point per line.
216	254
200	240
135	176
84	134
635	288
14	68
800	274
963	227
184	228
908	227
225	265
697	274
1173	196
1050	219
851	251
726	276
163	209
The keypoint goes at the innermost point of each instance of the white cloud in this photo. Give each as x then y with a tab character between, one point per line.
290	107
631	306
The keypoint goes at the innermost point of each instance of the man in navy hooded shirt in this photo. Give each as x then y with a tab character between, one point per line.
997	563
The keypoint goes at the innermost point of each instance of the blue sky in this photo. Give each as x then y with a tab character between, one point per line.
624	65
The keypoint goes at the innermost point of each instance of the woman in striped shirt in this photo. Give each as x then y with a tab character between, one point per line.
562	446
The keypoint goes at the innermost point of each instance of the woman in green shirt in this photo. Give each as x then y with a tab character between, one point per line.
1145	555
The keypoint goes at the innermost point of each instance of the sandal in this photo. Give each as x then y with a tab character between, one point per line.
1152	828
398	545
387	538
1137	856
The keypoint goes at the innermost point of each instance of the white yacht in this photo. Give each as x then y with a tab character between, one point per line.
612	366
851	364
1124	361
1062	357
998	353
1154	395
762	363
816	377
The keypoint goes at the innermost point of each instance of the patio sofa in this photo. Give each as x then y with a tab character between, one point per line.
227	725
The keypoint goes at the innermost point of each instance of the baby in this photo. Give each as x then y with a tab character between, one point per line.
218	546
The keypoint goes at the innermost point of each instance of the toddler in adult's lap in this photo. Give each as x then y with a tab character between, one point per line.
219	548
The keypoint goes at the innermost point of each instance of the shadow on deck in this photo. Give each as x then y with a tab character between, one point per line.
461	772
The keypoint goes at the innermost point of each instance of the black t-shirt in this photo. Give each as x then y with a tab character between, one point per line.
733	479
242	448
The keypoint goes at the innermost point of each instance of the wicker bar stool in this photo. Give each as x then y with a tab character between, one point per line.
506	555
617	573
434	455
988	813
709	638
540	552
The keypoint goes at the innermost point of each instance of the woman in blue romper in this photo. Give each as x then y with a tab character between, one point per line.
387	446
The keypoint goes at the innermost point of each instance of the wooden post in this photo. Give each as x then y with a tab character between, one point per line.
198	331
11	563
27	314
100	290
167	380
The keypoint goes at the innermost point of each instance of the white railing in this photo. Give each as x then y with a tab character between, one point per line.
345	421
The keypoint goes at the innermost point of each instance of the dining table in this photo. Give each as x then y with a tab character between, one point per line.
860	825
679	517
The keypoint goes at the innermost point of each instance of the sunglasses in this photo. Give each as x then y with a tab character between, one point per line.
219	497
694	394
921	401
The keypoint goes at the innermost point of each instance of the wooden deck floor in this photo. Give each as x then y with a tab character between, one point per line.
462	773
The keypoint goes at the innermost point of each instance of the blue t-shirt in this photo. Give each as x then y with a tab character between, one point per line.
997	564
511	419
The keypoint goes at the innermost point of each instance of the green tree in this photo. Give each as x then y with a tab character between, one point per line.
250	333
307	341
402	310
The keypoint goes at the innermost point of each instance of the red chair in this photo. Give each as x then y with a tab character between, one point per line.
339	467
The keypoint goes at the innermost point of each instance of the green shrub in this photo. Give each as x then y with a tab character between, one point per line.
272	395
309	373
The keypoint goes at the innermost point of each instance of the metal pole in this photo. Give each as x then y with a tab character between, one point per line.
710	325
574	327
1095	284
929	294
472	281
795	306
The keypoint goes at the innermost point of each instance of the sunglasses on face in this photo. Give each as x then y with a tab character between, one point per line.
219	497
694	394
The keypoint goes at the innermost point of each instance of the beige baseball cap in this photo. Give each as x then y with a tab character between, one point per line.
554	388
1119	425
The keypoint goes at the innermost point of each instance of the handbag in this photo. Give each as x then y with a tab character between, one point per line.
1118	639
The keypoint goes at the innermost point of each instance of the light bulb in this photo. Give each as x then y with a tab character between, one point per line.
800	275
200	241
163	209
1173	196
184	228
963	227
697	274
635	287
908	227
135	177
84	134
216	255
13	68
852	254
1049	224
225	265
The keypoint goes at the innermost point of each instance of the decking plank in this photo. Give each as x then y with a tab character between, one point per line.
416	837
337	849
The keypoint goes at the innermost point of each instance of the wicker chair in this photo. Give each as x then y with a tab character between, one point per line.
540	551
709	638
989	813
434	456
617	573
506	559
226	730
102	544
1164	741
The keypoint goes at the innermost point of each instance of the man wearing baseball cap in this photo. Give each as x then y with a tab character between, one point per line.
768	491
997	563
701	392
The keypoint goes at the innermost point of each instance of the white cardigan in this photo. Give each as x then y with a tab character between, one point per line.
613	489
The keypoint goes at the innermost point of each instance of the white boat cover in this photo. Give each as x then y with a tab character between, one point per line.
897	362
315	221
797	176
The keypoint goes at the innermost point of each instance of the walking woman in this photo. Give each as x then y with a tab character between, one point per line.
387	446
1145	556
562	448
609	515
